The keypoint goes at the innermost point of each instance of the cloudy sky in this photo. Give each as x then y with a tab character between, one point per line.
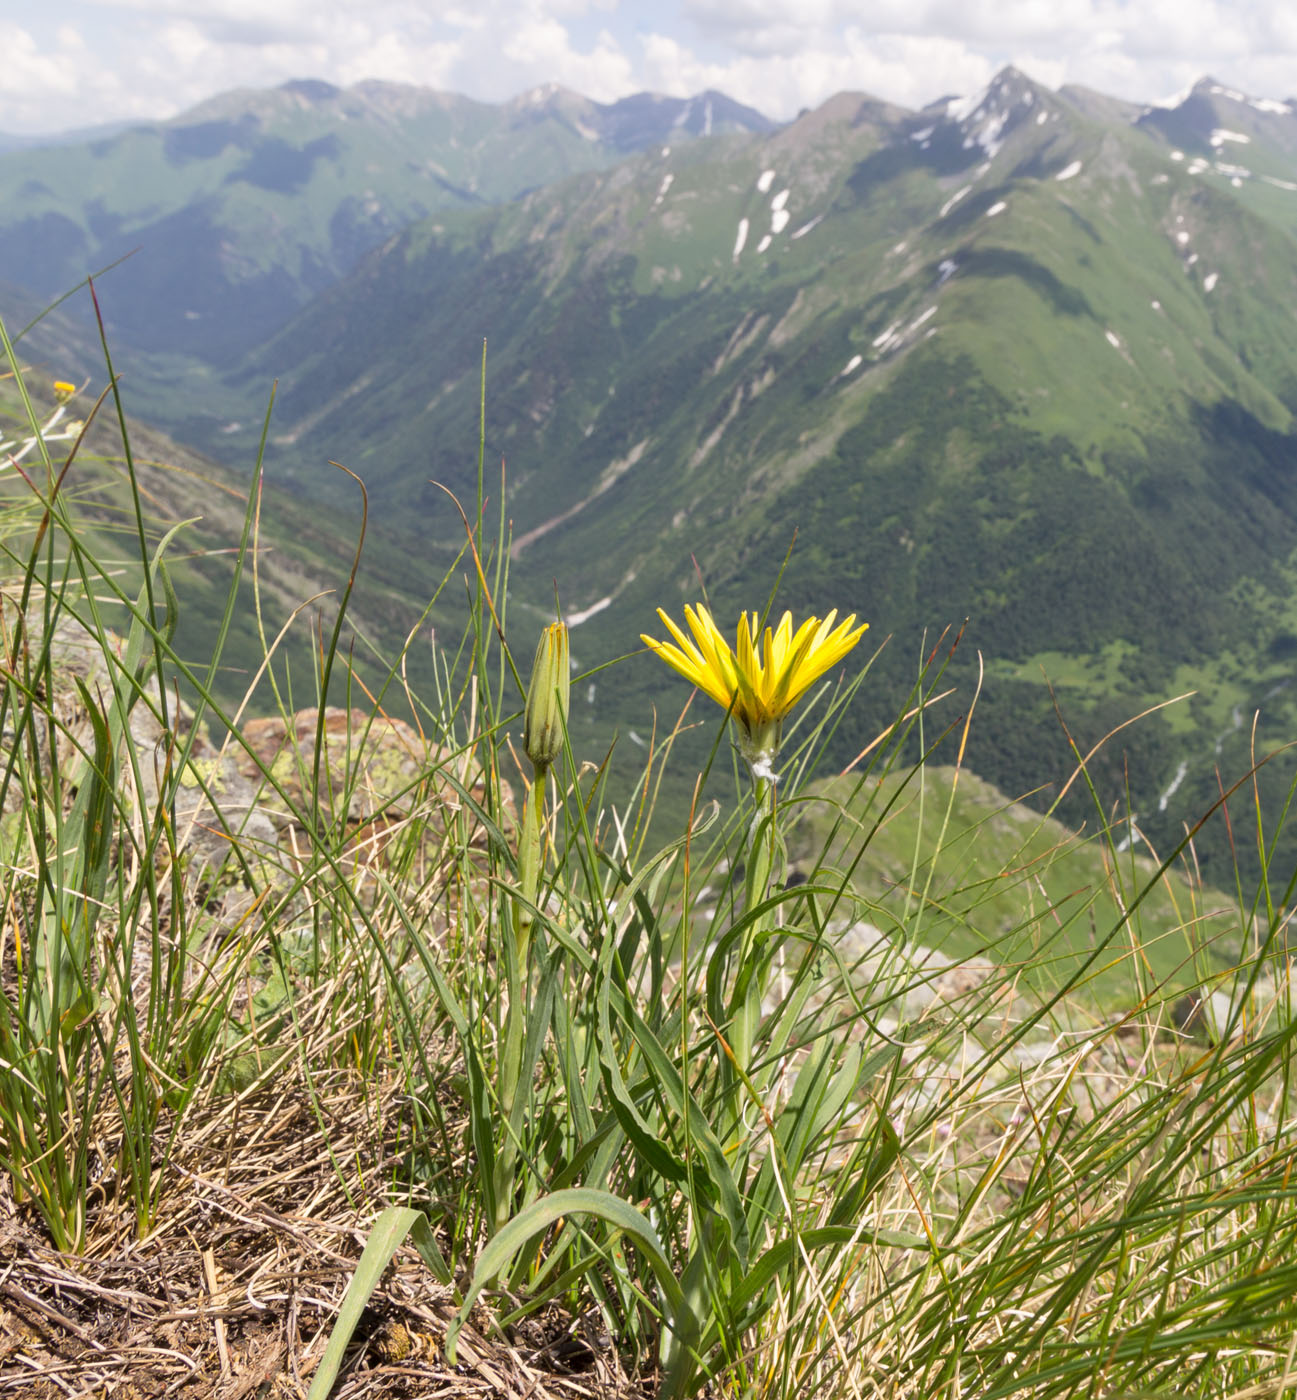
83	62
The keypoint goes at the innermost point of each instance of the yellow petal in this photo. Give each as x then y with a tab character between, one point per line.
768	670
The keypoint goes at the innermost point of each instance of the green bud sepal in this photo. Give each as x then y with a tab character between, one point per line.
547	698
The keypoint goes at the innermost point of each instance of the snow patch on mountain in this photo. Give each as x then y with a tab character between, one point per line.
1068	171
1258	104
740	238
957	108
988	134
806	228
1180	773
585	614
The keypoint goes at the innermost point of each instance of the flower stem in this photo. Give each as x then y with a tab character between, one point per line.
530	855
750	982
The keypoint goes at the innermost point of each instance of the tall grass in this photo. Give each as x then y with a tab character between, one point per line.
756	1117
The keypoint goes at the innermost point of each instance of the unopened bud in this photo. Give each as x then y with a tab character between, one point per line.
547	698
63	391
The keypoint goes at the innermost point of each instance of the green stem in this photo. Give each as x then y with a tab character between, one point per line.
530	848
750	979
529	865
761	842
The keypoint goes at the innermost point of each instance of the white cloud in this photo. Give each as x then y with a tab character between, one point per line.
1117	46
540	50
103	60
57	84
909	70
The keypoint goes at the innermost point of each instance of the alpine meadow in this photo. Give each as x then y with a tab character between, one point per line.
646	752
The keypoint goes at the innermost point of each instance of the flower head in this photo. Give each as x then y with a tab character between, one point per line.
764	676
547	698
63	391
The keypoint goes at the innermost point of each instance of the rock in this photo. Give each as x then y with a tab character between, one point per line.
244	809
912	978
379	779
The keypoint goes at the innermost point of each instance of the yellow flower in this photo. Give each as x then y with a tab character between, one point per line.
63	391
763	677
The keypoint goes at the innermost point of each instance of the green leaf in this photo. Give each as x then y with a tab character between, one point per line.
646	1139
540	1216
389	1233
681	1101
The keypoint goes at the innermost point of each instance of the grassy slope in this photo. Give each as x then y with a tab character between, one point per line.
303	558
959	867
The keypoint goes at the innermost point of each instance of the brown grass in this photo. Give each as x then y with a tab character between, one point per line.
266	1204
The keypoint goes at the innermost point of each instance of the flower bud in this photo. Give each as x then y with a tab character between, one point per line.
547	698
63	391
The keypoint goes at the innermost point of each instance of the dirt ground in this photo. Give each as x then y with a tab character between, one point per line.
233	1294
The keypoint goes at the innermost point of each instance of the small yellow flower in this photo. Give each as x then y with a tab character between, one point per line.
763	677
63	391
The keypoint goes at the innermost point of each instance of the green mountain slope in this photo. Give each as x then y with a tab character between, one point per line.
957	865
231	216
301	558
1009	359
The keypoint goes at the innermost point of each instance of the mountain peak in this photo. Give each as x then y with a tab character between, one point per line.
1009	88
546	95
1010	101
1010	74
1210	90
313	89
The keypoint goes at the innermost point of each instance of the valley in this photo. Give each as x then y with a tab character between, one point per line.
1020	363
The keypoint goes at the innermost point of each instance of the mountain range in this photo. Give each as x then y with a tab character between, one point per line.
231	216
1025	359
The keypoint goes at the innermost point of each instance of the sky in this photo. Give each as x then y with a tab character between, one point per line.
81	63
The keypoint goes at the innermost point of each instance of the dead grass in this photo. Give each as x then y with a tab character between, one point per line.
268	1197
